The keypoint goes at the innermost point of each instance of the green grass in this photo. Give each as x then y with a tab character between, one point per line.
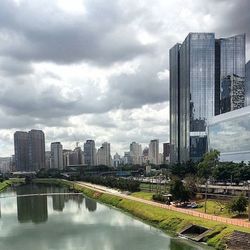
4	185
147	187
143	195
166	220
214	207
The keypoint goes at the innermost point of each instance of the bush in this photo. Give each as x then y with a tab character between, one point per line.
113	182
158	197
238	205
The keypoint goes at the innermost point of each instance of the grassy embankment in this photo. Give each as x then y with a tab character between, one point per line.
4	185
166	220
7	183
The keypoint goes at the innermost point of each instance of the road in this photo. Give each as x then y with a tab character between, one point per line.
230	221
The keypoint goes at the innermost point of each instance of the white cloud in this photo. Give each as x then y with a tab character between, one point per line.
97	69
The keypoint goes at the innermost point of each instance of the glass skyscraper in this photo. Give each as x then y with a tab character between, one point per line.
196	70
174	101
232	73
247	85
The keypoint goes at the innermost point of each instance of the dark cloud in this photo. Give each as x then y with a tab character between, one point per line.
104	37
11	67
42	32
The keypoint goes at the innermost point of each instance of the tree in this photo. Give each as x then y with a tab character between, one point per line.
178	190
206	166
238	205
190	182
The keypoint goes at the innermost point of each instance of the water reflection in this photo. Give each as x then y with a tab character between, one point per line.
66	222
31	208
90	205
35	208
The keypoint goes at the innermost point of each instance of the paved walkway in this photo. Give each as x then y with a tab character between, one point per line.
102	189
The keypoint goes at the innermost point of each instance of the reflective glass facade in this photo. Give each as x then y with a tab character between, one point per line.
232	65
197	61
174	63
230	134
247	85
198	68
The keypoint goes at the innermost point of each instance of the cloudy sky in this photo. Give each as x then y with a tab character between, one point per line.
98	69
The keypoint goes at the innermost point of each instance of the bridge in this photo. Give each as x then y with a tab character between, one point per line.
38	194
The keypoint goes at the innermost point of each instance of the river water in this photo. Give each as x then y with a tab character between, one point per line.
72	222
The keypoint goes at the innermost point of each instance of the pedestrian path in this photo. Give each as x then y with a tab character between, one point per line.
230	221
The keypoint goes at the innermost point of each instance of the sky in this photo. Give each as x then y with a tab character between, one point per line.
98	69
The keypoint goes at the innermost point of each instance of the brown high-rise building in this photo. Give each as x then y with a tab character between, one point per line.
21	143
29	150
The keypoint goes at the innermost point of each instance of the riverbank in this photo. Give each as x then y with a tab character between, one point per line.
4	185
7	183
166	220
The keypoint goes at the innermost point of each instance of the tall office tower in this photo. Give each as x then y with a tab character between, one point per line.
166	152
232	67
56	155
103	155
29	150
197	68
232	93
135	153
90	153
36	150
247	85
174	57
21	144
197	71
192	94
153	152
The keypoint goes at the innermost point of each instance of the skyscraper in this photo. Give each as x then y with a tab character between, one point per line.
197	69
103	155
21	144
154	151
29	150
56	155
36	149
247	85
89	153
135	153
174	56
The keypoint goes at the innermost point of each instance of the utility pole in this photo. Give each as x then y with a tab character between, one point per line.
206	197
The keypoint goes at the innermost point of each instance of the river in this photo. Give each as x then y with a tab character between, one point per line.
73	222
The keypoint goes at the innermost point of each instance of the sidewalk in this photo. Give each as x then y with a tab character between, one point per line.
102	189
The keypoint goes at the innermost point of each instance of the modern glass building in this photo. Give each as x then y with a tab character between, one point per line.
247	85
232	72
198	68
230	134
191	95
174	58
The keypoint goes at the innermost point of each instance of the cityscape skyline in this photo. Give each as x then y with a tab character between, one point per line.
112	93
